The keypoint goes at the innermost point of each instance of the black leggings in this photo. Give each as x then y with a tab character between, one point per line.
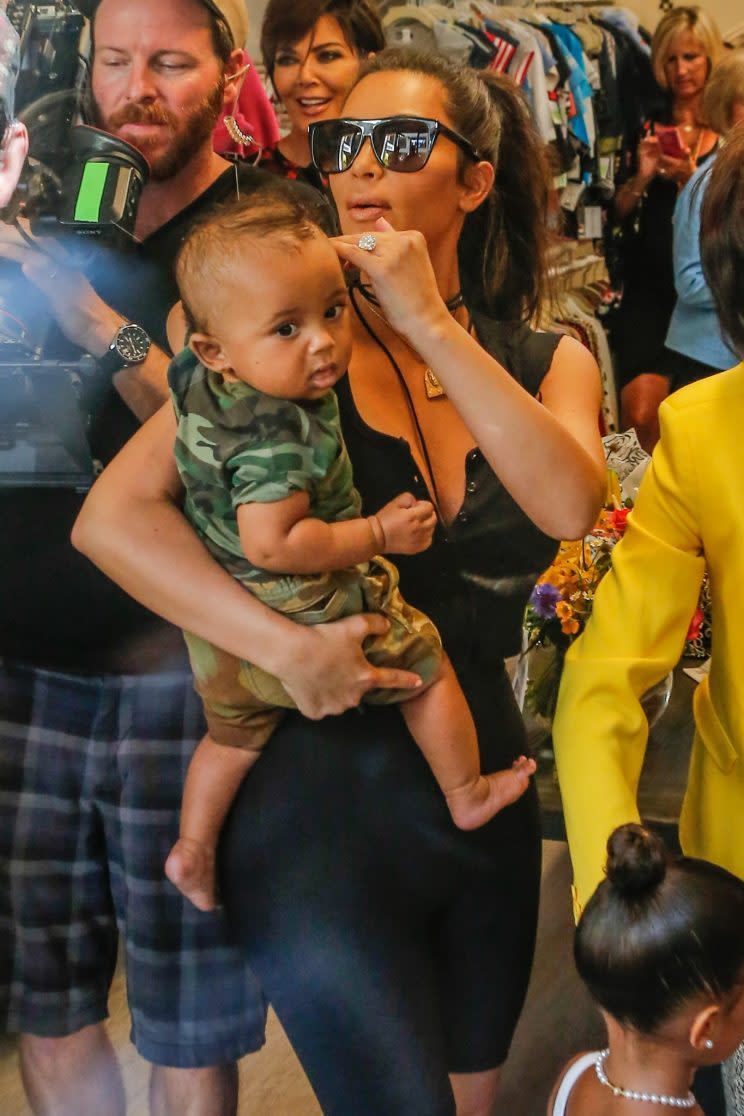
393	947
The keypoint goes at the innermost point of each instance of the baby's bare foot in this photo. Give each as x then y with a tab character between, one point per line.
190	867
477	802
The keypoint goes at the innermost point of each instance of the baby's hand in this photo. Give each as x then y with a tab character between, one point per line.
408	524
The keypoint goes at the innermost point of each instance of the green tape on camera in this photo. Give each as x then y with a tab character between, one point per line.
90	195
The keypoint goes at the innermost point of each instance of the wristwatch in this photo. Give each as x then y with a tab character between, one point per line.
130	345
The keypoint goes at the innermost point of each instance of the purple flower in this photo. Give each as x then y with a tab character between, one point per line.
544	599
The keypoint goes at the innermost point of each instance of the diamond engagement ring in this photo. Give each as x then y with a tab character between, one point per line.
367	242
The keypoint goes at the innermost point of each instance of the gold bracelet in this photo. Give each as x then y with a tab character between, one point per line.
378	533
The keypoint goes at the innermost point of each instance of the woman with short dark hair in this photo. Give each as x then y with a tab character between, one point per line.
312	50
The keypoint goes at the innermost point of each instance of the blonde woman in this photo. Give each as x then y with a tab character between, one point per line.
685	48
695	347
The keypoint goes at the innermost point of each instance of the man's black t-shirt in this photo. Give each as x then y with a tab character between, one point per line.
56	609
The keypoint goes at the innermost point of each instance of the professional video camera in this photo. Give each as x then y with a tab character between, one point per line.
79	185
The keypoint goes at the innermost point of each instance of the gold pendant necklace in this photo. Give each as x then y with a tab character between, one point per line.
432	386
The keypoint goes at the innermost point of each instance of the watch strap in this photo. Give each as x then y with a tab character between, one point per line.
111	362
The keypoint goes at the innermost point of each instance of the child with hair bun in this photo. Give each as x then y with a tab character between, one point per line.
660	946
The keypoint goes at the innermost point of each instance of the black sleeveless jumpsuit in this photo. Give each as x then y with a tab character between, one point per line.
394	947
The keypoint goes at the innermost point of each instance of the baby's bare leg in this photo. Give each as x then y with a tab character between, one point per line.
212	781
440	722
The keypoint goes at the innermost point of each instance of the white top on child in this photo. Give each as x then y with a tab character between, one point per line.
570	1077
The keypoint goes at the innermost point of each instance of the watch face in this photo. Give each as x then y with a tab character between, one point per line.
132	343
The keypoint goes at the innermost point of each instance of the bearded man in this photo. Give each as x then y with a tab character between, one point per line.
98	718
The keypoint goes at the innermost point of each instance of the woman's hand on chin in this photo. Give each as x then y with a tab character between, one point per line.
401	275
326	672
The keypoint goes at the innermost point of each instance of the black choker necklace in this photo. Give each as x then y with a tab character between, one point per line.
452	304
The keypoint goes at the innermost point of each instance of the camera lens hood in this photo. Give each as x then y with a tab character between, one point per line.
92	144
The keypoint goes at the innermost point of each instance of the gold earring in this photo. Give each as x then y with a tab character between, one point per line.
236	133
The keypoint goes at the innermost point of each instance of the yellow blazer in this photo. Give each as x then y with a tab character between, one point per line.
689	514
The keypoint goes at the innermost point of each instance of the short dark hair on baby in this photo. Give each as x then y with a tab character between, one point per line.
214	246
659	931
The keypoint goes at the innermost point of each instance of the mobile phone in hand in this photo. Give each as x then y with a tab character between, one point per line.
670	141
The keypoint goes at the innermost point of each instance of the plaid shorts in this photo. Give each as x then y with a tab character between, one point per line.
91	773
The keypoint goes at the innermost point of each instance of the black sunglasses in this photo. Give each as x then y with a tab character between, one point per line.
400	143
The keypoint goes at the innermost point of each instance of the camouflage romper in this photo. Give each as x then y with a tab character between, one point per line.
236	445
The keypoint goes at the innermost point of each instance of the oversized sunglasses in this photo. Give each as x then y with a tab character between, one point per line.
400	143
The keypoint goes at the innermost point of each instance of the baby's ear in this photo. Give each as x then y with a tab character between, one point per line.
209	352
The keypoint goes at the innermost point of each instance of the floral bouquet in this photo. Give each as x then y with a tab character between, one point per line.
562	600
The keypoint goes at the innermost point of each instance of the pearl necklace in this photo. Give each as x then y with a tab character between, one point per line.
631	1094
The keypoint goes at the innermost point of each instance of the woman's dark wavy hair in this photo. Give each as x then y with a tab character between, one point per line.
502	249
289	21
659	931
722	236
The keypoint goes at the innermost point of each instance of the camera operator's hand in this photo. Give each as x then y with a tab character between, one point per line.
84	318
80	313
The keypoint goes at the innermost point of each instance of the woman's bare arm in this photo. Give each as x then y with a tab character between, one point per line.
547	455
132	527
